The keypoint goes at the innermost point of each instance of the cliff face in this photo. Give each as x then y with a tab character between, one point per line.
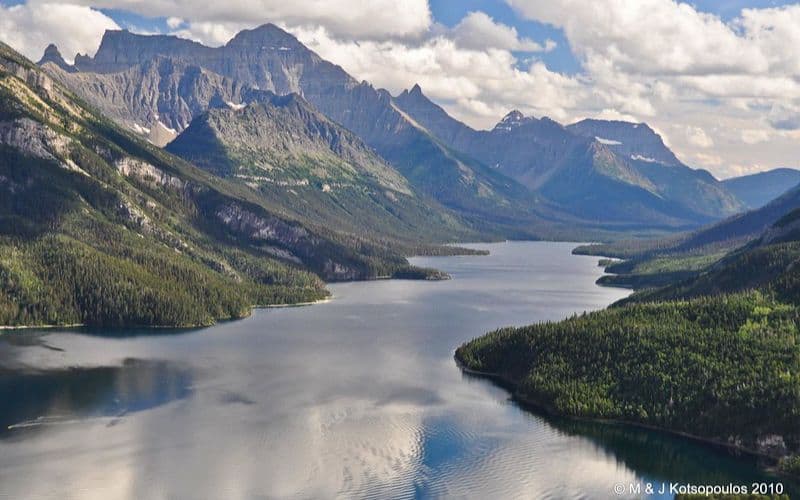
162	90
631	140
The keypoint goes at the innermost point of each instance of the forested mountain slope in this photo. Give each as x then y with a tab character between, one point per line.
715	356
99	227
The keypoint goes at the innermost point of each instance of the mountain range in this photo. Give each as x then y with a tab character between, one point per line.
99	227
527	177
163	182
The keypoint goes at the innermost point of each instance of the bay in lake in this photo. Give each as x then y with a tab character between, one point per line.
358	397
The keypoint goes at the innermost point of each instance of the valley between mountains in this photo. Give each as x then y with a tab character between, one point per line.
164	183
200	181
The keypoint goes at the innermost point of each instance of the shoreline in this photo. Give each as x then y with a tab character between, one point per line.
37	327
534	406
10	328
295	304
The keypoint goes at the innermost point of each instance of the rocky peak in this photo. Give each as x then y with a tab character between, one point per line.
413	96
511	121
53	55
266	37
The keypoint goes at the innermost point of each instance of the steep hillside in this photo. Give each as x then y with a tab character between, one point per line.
312	167
99	227
770	263
726	235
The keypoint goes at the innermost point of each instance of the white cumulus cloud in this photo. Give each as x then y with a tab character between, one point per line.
479	31
30	27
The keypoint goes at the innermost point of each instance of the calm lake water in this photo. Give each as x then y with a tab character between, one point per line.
358	397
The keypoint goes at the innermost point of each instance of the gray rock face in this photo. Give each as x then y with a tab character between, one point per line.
122	50
628	172
53	55
161	89
632	140
265	58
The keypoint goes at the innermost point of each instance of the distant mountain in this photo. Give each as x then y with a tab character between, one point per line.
160	92
268	58
722	236
743	227
311	167
756	190
99	227
768	263
636	141
526	178
628	176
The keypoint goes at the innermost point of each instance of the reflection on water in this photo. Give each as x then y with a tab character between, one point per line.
356	398
32	399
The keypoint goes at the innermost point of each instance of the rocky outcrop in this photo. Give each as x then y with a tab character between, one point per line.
39	141
147	173
155	95
257	227
53	56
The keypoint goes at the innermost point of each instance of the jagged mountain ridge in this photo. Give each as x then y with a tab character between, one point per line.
496	178
161	90
267	58
546	156
97	226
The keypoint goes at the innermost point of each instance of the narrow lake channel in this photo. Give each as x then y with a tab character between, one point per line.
358	397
